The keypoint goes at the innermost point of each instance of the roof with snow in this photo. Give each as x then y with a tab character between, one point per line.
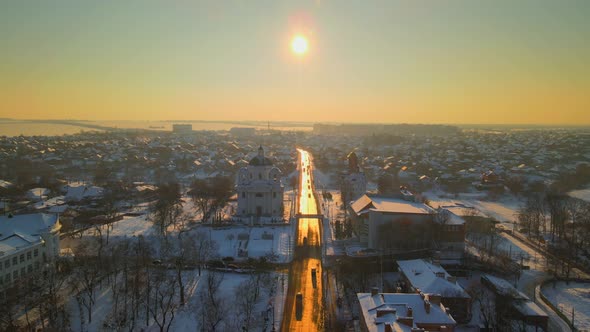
401	312
503	288
431	278
79	191
389	205
23	230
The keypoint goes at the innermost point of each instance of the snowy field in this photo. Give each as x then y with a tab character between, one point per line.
575	295
583	194
242	242
504	209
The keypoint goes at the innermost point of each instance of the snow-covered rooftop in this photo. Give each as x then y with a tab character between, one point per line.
393	309
431	278
22	230
388	204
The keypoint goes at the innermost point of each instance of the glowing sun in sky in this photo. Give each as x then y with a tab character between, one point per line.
299	45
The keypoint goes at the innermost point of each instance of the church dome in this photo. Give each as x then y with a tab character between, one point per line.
260	159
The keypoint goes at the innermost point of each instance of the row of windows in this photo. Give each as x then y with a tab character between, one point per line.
16	259
15	274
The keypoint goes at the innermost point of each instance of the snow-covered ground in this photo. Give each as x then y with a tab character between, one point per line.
242	242
332	210
569	297
189	317
504	209
583	194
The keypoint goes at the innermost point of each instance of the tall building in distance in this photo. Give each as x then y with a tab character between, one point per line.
260	191
354	182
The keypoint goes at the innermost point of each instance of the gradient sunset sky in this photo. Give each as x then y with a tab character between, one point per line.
500	61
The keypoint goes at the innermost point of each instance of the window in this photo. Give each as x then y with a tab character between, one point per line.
30	268
7	278
259	176
29	255
274	195
243	194
22	271
259	195
22	258
14	260
14	275
36	252
37	265
7	263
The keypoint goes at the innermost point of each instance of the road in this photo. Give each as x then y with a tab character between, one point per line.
530	281
307	257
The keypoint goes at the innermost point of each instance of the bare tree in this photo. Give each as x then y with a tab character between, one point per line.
167	208
211	195
556	207
205	248
485	304
246	299
213	307
576	209
86	276
163	300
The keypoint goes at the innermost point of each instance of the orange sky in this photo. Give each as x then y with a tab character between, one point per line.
382	61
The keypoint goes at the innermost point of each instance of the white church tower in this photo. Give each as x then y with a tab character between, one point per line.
259	188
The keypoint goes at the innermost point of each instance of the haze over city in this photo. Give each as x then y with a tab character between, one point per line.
379	61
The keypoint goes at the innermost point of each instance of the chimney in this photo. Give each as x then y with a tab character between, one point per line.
434	298
388	327
408	321
427	306
410	312
374	291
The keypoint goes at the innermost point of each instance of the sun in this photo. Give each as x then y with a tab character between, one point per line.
299	45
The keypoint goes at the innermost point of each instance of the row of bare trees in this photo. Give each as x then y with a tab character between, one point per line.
147	278
38	299
565	219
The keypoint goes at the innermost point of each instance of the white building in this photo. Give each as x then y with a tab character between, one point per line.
259	188
27	243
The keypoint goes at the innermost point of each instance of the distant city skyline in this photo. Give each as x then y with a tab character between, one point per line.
457	62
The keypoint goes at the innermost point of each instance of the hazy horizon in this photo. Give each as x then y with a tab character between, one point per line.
459	62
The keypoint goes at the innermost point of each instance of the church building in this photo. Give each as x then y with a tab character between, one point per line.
354	182
259	188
